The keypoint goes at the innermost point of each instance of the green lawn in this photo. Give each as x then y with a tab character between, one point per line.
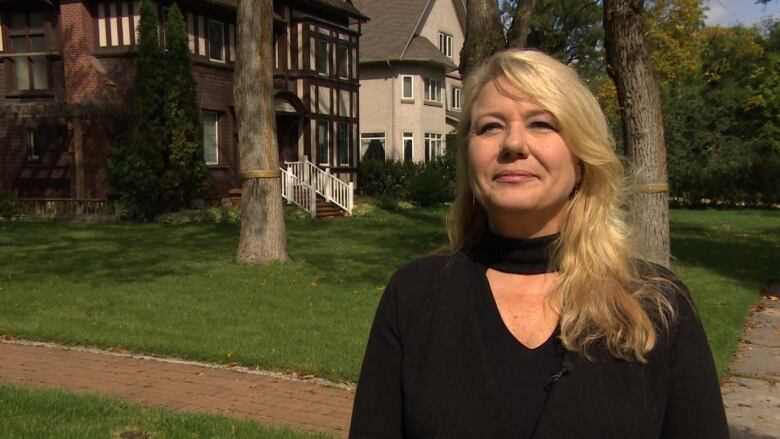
174	290
54	414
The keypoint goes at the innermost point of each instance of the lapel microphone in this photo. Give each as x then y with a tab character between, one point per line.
566	368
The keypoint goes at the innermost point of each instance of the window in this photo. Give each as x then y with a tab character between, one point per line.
216	41
211	137
407	91
408	142
456	98
445	44
321	57
33	145
323	142
342	58
372	146
433	146
26	35
432	90
343	144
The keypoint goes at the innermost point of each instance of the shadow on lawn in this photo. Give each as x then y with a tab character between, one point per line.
750	257
121	253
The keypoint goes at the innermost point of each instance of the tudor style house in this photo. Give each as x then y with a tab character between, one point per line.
65	62
410	94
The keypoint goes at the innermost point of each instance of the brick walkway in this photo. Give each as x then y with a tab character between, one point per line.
270	399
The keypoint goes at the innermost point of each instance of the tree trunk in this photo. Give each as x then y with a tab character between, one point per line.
517	37
263	236
484	35
640	107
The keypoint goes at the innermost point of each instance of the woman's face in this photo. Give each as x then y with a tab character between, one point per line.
520	168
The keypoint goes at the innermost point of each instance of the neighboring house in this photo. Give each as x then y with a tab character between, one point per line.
66	63
410	95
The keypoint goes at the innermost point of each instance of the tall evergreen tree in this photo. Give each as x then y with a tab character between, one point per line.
137	164
185	176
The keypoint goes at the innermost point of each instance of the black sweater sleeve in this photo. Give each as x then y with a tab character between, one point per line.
377	412
695	407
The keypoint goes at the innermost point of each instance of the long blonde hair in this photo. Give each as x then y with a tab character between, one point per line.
600	292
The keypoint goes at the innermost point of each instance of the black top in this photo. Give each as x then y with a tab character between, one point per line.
430	372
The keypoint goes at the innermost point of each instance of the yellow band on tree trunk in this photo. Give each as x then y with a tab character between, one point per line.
260	173
653	188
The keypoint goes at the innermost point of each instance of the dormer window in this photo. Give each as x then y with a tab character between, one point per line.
445	44
216	41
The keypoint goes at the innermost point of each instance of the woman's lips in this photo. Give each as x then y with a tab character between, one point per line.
513	176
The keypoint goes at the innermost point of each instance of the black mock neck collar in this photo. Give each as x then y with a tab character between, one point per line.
517	256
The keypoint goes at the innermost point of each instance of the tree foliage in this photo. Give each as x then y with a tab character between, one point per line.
160	168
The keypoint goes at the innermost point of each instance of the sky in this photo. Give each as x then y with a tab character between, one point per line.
729	12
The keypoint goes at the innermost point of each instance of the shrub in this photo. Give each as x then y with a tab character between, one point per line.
210	215
432	184
379	177
8	208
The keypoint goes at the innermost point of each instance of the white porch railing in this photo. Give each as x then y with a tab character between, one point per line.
327	185
297	192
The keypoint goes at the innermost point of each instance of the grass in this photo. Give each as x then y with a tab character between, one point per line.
726	258
174	290
28	413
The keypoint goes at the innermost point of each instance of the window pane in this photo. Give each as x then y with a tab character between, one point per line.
19	44
18	22
36	20
210	137
407	87
216	41
22	73
342	54
322	147
344	144
40	75
37	44
322	57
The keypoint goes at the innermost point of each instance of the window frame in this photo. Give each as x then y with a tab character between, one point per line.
411	86
445	44
433	86
216	136
209	22
433	146
457	96
368	137
343	130
410	137
33	146
344	60
31	57
323	146
320	59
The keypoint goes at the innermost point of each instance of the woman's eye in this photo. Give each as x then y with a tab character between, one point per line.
488	127
544	125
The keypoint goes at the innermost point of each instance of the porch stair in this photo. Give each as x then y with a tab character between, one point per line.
326	209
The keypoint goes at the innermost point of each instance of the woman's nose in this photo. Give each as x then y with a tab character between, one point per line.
514	143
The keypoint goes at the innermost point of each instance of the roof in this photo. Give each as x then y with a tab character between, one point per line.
387	33
421	49
343	6
392	33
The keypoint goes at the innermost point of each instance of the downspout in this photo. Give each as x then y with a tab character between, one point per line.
393	110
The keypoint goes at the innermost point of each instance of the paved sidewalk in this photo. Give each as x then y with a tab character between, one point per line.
270	399
752	394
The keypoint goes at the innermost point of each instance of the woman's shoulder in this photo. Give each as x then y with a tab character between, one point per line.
431	269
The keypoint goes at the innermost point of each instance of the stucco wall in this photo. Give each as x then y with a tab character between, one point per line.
383	110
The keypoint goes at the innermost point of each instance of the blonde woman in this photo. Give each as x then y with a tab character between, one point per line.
541	321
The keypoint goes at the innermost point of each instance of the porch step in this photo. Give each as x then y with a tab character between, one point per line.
326	209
